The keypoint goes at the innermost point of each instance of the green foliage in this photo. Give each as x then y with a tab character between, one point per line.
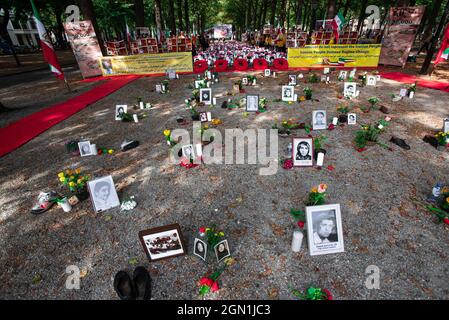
343	109
308	93
313	78
318	141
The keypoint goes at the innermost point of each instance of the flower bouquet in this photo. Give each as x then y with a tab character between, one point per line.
167	134
75	181
128	204
443	140
193	112
312	293
317	195
209	283
307	93
313	78
369	133
318	145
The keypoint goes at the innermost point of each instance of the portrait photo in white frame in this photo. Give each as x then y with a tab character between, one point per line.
252	103
324	229
302	152
292	80
85	148
200	248
103	194
120	109
371	81
352	118
206	96
445	125
350	89
267	72
288	93
319	120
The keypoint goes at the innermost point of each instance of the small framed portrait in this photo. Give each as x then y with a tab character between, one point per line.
342	75
292	80
324	229
222	250
85	149
350	89
371	81
445	125
171	73
326	70
200	248
302	149
203	116
206	96
352	118
188	151
252	103
288	93
267	72
159	88
319	121
162	242
245	81
198	84
352	73
403	92
103	194
120	110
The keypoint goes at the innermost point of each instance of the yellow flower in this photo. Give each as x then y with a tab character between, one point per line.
447	199
72	177
79	181
216	121
221	234
206	127
314	190
71	184
167	132
445	190
68	172
62	179
110	151
207	229
78	171
302	98
61	174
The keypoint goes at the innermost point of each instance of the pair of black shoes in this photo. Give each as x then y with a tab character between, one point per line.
137	288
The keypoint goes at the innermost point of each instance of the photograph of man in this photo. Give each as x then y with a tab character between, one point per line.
200	248
319	119
85	148
120	110
324	227
222	250
103	193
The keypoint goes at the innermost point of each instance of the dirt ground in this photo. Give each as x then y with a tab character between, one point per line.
376	189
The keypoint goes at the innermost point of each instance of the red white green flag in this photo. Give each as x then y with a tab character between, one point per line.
443	53
47	48
337	24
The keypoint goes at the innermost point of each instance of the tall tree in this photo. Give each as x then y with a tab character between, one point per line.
264	13
433	45
139	12
361	16
282	14
87	10
171	16
186	15
179	10
313	9
432	18
298	12
273	11
331	4
158	16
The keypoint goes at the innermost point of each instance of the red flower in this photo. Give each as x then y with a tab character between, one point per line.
361	149
329	295
330	167
100	152
288	164
202	230
215	286
301	224
446	221
331	127
206	281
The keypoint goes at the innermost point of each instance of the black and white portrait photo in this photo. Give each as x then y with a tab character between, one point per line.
302	152
245	81
292	80
445	125
267	72
198	83
288	93
319	121
352	118
103	194
85	148
120	110
188	151
203	116
371	80
350	89
206	96
324	229
200	248
252	103
162	242
159	88
222	250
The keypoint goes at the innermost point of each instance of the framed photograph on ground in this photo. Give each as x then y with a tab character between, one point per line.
445	125
319	121
327	70
103	194
371	81
206	96
222	250
200	248
324	229
162	242
203	116
85	149
267	72
252	103
198	83
292	80
288	93
120	109
245	81
352	118
350	89
171	74
188	151
343	74
302	152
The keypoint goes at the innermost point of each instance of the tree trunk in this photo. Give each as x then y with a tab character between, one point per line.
432	18
313	9
264	13
171	16
330	9
59	27
273	11
305	15
282	14
361	16
429	56
158	16
298	12
139	13
186	16
87	10
179	9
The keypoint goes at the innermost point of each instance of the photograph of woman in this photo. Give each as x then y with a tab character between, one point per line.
302	151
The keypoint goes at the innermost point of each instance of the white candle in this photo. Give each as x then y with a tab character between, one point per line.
254	82
274	74
295	97
208	84
66	205
177	76
335	121
297	241
216	80
136	119
93	148
411	94
320	160
141	105
214	101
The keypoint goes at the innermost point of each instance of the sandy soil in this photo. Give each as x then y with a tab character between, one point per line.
382	226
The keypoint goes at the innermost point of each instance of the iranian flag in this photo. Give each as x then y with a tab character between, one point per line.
47	48
443	53
337	25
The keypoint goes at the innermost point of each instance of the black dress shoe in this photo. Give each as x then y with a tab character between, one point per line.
142	283
124	286
400	142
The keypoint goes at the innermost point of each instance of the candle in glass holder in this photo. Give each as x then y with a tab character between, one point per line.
297	241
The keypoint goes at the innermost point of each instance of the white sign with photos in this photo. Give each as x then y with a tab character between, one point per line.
352	118
103	194
324	229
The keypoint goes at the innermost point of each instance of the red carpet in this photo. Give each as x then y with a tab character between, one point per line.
408	78
22	131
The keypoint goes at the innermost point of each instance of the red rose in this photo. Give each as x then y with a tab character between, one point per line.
446	221
361	149
330	167
301	224
100	152
329	295
215	286
206	281
331	127
288	164
202	230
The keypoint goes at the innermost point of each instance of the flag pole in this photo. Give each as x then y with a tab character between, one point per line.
67	84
